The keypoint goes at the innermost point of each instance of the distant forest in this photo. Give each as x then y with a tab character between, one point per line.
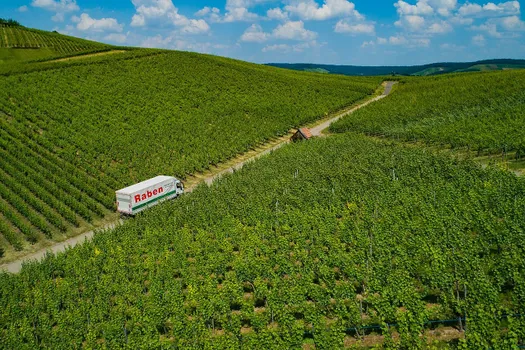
422	70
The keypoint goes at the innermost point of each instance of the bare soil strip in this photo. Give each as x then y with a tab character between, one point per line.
192	182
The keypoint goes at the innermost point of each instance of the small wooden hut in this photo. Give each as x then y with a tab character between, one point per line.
301	134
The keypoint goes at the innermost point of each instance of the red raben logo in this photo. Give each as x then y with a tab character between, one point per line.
148	194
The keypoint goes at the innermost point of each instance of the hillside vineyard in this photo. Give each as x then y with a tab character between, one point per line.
72	134
481	112
311	243
18	43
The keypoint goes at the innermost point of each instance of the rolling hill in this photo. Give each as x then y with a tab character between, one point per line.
72	132
481	112
21	44
353	240
423	70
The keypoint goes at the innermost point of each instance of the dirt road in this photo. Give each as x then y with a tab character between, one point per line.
16	266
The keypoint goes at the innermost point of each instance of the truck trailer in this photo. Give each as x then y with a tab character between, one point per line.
134	199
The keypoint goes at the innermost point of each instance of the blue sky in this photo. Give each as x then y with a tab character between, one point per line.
360	32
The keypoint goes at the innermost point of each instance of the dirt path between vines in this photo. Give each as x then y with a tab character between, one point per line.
88	55
208	178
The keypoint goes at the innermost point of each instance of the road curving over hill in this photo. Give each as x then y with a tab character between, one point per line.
317	130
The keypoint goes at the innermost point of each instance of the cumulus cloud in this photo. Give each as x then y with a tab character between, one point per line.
238	10
56	6
116	38
293	30
420	8
441	27
59	7
512	23
164	10
290	30
207	11
509	8
277	47
23	8
175	42
343	26
443	7
399	40
478	40
254	34
411	22
310	9
277	14
285	48
86	23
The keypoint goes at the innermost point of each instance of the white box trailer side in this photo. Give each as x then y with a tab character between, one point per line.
134	199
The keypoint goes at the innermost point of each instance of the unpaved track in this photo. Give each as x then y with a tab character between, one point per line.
16	266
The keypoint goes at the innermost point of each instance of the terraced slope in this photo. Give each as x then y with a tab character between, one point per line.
18	44
313	245
73	133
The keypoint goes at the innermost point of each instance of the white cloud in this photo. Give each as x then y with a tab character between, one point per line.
290	30
310	9
207	11
23	8
399	40
116	38
419	9
151	9
509	8
86	23
277	47
56	6
439	28
452	47
177	43
512	23
156	41
359	28
195	26
443	7
59	7
254	34
285	48
491	28
164	11
478	40
277	14
238	10
412	23
428	17
239	14
293	30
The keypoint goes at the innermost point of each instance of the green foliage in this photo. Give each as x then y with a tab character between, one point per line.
9	22
73	133
483	112
316	238
19	44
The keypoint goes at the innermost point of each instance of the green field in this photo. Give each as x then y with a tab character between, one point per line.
74	132
482	112
20	44
373	235
302	246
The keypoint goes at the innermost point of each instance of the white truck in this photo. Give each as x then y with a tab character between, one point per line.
134	199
